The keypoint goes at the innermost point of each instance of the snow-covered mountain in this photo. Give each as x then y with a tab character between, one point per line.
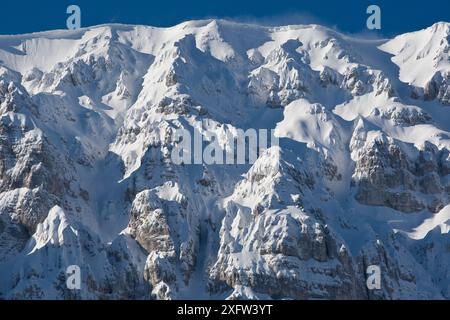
361	175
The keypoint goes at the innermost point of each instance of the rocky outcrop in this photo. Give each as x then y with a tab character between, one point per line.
386	176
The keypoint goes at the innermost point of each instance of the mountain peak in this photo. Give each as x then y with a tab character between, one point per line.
356	173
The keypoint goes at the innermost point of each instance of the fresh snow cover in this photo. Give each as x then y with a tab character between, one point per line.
361	176
429	46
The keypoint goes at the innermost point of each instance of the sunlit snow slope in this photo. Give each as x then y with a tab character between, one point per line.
361	176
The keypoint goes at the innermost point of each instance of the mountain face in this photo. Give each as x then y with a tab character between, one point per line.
361	175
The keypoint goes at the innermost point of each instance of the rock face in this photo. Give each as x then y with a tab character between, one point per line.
166	229
360	176
386	176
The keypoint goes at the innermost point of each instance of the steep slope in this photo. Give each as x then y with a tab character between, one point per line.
89	120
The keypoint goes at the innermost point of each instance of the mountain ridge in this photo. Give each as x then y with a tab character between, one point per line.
361	176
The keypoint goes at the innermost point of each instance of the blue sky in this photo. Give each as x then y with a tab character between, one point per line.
398	16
